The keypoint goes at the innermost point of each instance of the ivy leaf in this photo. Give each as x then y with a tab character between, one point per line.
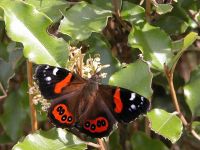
52	8
187	41
53	139
166	124
153	42
136	77
132	13
192	94
25	24
139	138
163	8
78	25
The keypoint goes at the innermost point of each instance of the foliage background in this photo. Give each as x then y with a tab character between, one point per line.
164	31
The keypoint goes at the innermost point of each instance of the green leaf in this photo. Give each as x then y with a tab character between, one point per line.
6	73
166	124
187	41
54	139
196	126
153	42
192	94
83	19
139	138
106	4
98	46
52	8
132	13
173	25
14	115
136	77
25	24
163	8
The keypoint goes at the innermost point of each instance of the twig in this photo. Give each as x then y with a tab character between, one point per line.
193	18
116	8
4	92
93	145
102	146
148	10
169	75
34	123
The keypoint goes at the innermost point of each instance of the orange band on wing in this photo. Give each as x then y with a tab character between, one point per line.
62	84
117	101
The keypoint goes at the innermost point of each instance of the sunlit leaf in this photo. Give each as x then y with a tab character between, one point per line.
28	26
83	19
163	8
139	138
106	4
136	77
166	124
192	94
52	8
132	13
54	139
187	41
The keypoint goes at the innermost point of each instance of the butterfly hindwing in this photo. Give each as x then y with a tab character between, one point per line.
125	104
97	121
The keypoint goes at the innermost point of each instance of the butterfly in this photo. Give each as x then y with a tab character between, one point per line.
90	107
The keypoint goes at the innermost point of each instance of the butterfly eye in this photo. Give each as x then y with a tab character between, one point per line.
64	118
98	123
87	124
93	127
103	123
69	118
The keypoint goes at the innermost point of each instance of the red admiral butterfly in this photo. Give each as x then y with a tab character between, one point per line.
86	105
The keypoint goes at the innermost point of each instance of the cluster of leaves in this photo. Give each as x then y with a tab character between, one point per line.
166	37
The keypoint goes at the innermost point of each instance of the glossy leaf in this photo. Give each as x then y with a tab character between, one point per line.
106	4
132	13
187	41
173	25
53	139
83	19
136	77
12	120
28	26
192	94
140	141
52	8
166	124
154	43
163	8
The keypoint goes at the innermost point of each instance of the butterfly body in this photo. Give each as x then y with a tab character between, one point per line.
86	105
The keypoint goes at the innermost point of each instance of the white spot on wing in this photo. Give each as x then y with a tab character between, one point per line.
132	96
47	67
133	107
48	78
55	70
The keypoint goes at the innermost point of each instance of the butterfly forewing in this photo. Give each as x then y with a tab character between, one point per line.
125	104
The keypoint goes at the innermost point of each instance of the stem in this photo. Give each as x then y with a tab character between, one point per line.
169	75
102	146
148	10
116	8
93	145
34	123
4	92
